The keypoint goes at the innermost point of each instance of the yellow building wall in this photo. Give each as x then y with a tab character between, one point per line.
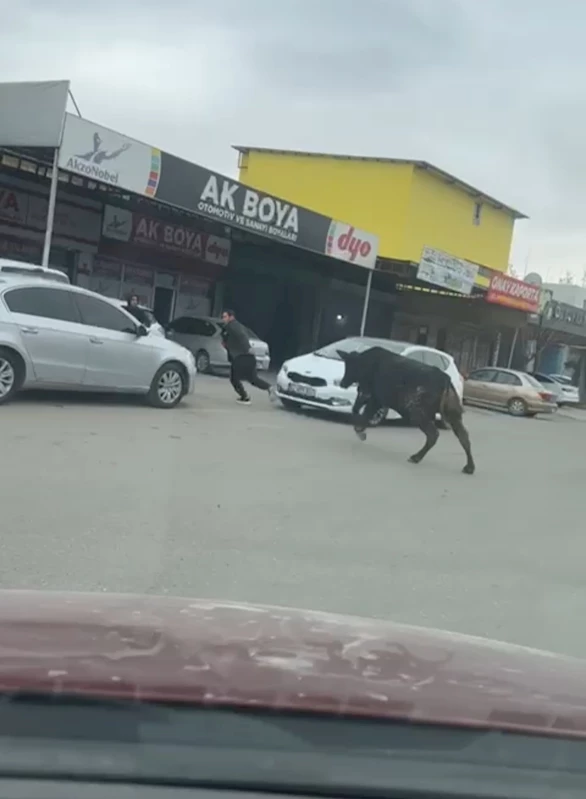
441	216
407	207
370	195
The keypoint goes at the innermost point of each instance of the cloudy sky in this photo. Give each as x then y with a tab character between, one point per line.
490	90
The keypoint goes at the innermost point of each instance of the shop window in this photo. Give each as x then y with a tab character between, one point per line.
442	339
477	213
422	335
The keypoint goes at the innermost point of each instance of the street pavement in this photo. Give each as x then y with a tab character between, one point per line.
260	504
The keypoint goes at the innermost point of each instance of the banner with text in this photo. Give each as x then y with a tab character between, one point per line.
124	225
513	293
445	270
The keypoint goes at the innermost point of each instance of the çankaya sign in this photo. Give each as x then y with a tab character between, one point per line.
509	291
100	154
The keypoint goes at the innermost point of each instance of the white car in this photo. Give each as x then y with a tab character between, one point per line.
202	335
313	380
570	393
10	267
57	336
154	326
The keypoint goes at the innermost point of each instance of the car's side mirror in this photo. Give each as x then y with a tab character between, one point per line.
141	331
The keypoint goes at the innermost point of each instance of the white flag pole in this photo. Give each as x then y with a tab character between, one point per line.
366	302
51	209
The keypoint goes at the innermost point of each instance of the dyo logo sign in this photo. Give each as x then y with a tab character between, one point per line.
348	244
247	208
355	246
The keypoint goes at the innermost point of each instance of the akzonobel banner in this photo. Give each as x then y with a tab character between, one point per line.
103	155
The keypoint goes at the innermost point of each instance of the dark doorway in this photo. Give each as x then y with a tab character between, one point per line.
163	305
283	335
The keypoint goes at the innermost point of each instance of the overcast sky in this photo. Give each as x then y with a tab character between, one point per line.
491	90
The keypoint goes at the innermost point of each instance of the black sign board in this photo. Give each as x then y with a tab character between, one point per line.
215	196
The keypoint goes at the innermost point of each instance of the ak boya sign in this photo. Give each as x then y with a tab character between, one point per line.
213	195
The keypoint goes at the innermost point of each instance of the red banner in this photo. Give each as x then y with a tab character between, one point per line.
513	293
122	225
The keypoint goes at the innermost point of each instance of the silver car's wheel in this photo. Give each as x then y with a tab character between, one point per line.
7	377
517	407
11	375
202	361
168	386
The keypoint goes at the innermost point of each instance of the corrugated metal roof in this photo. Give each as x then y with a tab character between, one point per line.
425	165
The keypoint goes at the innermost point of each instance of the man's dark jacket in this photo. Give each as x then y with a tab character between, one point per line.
235	339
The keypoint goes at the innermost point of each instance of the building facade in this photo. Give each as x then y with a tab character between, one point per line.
410	205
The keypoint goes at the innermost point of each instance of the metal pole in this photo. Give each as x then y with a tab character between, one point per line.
51	209
513	345
497	349
366	301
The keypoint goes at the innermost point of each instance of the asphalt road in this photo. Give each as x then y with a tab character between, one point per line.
260	504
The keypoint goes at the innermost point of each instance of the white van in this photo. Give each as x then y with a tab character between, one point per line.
8	266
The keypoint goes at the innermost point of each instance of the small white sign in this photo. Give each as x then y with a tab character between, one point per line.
445	270
117	223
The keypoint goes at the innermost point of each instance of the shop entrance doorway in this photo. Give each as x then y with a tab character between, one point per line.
163	304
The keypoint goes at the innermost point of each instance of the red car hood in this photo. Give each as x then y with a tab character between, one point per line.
220	653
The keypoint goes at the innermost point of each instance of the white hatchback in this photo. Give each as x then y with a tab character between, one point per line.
313	380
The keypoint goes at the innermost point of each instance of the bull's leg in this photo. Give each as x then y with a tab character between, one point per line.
454	418
362	419
361	400
427	426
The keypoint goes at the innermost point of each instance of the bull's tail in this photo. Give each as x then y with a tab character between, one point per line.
451	408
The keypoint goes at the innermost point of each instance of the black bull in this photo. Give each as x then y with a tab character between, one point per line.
417	391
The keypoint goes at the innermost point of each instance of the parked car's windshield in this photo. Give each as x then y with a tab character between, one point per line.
534	381
359	345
